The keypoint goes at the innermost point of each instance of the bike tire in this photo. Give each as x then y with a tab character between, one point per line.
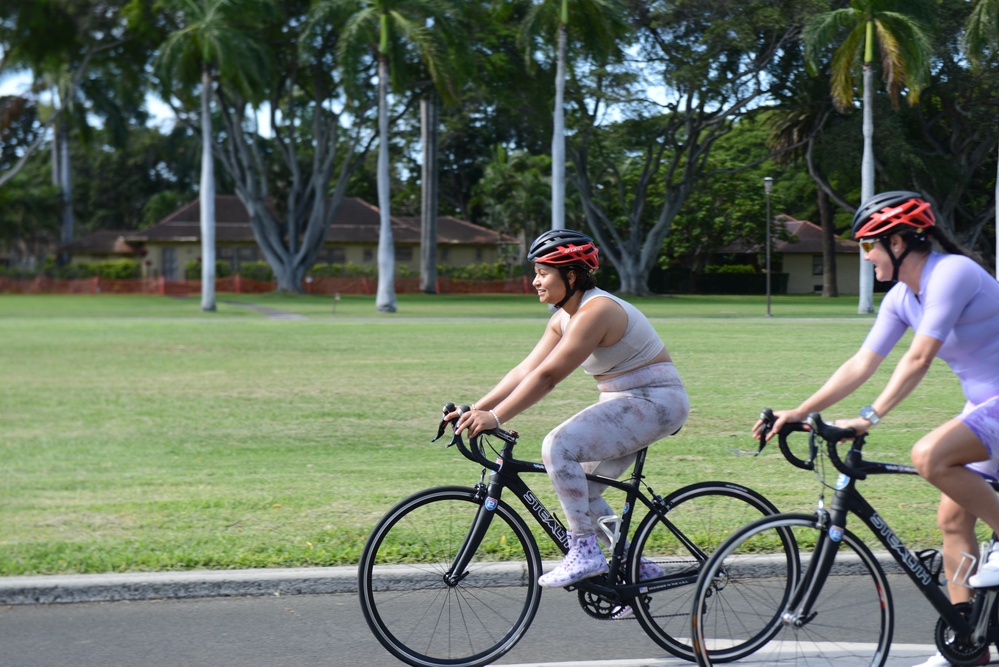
703	515
423	620
744	591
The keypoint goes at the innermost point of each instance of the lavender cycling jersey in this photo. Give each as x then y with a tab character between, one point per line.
958	303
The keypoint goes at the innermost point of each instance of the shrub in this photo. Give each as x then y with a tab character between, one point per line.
495	271
261	271
349	270
192	270
731	268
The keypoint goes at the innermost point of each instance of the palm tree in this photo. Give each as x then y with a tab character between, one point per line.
981	36
211	45
898	29
391	29
601	24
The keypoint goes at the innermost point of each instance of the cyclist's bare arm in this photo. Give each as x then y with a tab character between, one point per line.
909	372
544	347
854	372
586	331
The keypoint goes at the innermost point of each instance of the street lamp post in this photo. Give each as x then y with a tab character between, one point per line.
768	185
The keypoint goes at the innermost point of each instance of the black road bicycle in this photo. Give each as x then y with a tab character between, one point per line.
449	576
839	608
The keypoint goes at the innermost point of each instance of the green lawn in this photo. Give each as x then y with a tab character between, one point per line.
138	433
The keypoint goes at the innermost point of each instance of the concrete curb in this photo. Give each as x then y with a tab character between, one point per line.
193	584
287	581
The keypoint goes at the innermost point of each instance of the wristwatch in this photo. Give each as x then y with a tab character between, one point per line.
868	413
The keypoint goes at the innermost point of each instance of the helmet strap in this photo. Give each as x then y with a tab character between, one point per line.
896	262
569	289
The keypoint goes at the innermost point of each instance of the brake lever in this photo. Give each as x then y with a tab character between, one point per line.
767	417
447	409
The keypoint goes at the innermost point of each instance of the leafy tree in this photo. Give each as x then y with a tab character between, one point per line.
78	52
600	26
29	204
980	43
706	62
293	180
399	35
211	44
898	29
514	195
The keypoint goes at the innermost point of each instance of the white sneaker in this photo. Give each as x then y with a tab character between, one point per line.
647	569
939	661
988	572
585	559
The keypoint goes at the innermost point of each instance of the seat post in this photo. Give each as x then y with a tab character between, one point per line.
636	471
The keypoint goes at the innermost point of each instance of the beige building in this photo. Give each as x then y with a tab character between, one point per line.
167	247
801	257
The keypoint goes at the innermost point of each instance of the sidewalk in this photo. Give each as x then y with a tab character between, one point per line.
191	584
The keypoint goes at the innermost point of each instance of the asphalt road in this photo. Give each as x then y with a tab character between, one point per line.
306	630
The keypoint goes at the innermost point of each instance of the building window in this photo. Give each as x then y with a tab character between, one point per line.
479	255
404	253
442	254
369	255
170	263
331	255
817	265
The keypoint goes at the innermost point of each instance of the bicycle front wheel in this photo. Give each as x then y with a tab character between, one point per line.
743	597
425	620
670	548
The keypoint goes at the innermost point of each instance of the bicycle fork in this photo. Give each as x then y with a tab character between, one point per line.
799	608
483	517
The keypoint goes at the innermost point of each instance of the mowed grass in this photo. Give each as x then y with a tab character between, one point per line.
138	433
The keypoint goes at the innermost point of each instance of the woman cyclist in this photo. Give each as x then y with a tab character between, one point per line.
952	305
641	396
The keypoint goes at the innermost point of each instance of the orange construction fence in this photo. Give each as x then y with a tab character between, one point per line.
239	285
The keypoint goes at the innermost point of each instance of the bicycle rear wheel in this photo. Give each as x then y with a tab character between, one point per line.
744	591
697	519
419	617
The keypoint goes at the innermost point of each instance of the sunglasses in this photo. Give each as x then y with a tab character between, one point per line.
868	246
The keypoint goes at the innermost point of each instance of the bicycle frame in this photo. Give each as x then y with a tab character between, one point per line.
848	500
506	473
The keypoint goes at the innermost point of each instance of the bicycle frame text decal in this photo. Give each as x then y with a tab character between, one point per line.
907	557
545	517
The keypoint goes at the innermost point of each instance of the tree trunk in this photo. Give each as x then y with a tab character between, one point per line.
429	183
829	288
558	136
866	304
385	298
206	195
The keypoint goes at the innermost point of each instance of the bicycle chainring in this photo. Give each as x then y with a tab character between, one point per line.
597	606
957	650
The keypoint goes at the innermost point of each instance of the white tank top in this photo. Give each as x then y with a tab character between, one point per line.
639	345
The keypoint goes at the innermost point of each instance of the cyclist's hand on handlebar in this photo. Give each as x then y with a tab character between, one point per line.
474	421
781	417
858	424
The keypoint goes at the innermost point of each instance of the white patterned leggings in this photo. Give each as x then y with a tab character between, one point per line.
633	411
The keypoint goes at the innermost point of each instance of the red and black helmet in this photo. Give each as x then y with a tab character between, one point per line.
894	212
564	247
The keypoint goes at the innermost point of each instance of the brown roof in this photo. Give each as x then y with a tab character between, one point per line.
357	221
806	237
